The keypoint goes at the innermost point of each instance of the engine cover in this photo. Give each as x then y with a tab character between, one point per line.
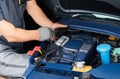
75	50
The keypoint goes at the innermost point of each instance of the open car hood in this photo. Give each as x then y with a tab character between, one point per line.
63	7
100	8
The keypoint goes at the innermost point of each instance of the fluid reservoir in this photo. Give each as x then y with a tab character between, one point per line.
104	52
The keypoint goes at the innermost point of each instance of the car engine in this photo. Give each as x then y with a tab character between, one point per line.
73	45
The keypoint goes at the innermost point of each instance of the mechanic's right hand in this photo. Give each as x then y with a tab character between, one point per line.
45	33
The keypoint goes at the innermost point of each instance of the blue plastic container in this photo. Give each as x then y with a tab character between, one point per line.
104	51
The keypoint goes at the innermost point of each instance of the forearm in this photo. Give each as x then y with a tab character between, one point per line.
37	14
13	34
21	35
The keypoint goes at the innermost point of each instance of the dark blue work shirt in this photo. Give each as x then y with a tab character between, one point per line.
12	11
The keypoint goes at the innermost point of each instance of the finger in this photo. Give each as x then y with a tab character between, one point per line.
61	26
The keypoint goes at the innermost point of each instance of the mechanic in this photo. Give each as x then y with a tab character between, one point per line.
13	34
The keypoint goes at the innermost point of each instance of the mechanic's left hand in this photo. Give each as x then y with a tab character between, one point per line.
58	25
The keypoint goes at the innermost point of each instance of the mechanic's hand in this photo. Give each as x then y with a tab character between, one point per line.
46	34
58	25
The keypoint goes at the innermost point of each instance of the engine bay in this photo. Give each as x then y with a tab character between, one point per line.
73	45
74	55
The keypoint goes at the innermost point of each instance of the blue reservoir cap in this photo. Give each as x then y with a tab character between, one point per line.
103	48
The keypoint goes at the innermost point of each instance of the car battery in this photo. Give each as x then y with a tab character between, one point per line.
69	50
76	50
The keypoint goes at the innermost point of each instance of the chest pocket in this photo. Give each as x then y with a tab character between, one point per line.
13	12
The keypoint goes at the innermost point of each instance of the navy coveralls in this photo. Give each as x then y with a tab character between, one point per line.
11	63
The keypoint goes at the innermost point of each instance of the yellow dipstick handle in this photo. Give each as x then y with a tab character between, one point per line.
112	38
